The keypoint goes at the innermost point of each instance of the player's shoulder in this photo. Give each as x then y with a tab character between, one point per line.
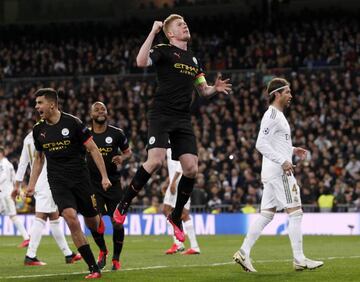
28	138
39	124
115	130
162	46
271	114
66	117
38	127
8	163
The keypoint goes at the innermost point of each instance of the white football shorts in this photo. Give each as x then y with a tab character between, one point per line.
281	192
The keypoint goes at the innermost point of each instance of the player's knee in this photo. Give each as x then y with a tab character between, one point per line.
154	164
269	215
72	221
191	171
166	210
296	213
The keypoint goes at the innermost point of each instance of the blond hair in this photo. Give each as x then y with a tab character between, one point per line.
168	21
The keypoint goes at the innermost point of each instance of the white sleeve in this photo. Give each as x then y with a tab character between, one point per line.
263	142
5	173
23	163
12	174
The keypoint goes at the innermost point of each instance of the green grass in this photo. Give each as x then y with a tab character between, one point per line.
271	255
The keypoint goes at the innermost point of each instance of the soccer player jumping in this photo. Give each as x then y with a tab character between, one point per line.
281	190
178	72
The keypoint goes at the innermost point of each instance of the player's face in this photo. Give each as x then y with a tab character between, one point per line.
179	30
44	107
99	113
286	97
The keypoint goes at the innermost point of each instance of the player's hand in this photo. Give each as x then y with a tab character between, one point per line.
117	160
288	167
14	193
163	189
222	86
30	191
300	152
105	183
157	26
173	189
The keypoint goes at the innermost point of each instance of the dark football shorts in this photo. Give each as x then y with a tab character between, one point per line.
178	131
79	196
107	200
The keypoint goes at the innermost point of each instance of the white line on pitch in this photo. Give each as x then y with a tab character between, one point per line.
165	266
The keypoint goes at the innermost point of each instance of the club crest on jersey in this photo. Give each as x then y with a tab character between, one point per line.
195	61
65	132
108	140
266	131
151	140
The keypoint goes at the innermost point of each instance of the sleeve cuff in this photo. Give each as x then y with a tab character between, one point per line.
87	140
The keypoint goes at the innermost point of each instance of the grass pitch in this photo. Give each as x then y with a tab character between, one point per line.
143	259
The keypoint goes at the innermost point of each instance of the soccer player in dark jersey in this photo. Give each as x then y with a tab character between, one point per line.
114	147
63	140
178	72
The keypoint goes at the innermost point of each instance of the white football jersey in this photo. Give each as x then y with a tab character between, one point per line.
27	157
274	143
7	174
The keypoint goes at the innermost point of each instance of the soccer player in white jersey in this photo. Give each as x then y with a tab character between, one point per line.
281	190
175	172
44	208
7	175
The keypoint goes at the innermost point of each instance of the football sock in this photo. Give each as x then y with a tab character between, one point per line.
295	234
137	183
255	230
189	228
36	234
20	227
118	240
59	237
185	188
88	257
99	240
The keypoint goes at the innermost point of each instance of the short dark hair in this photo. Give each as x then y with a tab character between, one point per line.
274	84
49	94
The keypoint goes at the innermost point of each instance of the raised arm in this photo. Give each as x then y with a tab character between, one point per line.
143	60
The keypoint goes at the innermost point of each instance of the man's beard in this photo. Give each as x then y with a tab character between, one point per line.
100	121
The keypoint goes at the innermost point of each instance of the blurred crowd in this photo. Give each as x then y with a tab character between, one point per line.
305	41
324	118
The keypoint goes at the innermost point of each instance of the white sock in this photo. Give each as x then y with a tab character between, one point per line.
189	227
295	234
255	230
36	234
59	237
20	227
